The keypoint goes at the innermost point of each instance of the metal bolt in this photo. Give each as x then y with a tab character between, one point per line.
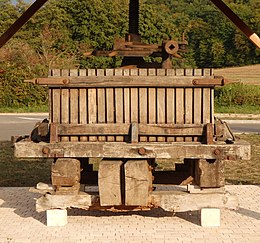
65	81
141	151
45	150
217	152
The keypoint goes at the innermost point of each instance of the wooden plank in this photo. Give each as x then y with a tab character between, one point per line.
161	72
123	129
170	72
134	133
119	102
110	108
206	116
161	109
134	72
188	109
179	72
109	72
65	110
130	81
50	102
170	109
83	110
188	72
209	133
134	105
197	108
143	109
56	72
171	130
179	109
212	112
109	182
74	112
53	133
240	149
101	110
152	109
56	105
138	183
209	174
74	104
92	110
65	72
197	72
83	114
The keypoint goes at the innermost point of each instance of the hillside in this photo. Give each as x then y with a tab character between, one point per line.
247	74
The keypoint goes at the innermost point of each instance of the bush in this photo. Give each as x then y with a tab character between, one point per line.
238	94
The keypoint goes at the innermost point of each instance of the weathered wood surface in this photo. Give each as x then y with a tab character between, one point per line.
138	182
65	175
109	182
173	201
124	96
209	173
238	150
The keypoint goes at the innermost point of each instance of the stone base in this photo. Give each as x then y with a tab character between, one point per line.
210	217
57	217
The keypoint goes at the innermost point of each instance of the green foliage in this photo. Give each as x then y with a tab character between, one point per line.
238	94
62	31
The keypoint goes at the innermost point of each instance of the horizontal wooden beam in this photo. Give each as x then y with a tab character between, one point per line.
124	129
192	150
128	81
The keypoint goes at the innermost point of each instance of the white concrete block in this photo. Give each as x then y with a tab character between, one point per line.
57	217
210	217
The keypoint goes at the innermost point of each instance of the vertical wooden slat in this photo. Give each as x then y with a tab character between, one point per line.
74	113
143	109
101	110
134	72
179	72
119	109
56	105
152	109
119	103
206	105
180	104
55	100
83	110
179	109
65	110
170	109
50	102
126	105
212	106
92	110
134	105
83	105
74	104
197	107
110	110
188	109
161	110
197	72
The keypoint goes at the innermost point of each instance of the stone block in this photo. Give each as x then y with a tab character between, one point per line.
57	217
210	217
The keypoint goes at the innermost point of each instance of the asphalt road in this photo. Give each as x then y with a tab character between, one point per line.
22	124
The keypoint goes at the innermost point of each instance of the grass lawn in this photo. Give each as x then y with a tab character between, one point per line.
14	172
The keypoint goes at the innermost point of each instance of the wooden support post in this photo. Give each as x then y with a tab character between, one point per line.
109	182
209	173
138	183
65	175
